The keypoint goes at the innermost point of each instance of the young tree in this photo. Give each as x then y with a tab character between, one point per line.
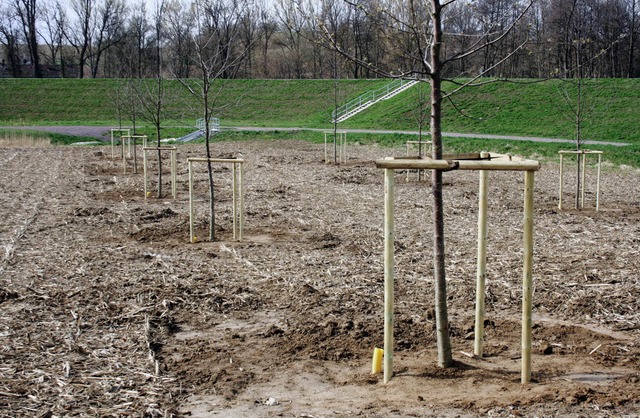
421	25
151	93
216	36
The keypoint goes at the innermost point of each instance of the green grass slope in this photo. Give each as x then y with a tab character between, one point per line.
521	108
274	103
525	109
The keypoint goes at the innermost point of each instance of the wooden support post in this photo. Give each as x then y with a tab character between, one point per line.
598	183
191	232
582	164
463	162
388	273
343	154
561	173
482	263
326	154
112	145
527	281
173	163
124	156
174	172
234	192
241	202
584	169
237	195
144	170
113	131
340	146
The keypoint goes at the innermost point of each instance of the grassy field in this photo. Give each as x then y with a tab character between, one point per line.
520	108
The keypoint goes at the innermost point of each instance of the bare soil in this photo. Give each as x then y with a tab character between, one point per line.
106	309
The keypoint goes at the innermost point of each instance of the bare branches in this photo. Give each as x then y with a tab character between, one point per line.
473	80
478	46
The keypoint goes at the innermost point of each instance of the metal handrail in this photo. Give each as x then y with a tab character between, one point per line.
371	96
214	124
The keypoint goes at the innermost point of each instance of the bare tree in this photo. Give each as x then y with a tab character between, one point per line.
109	30
218	29
180	48
54	18
633	14
268	28
79	34
292	24
27	11
421	27
10	39
151	93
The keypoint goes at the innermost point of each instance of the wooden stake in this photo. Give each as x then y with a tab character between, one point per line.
527	280
482	263
241	203
343	137
234	193
584	167
561	173
598	184
388	273
124	157
144	170
174	174
191	232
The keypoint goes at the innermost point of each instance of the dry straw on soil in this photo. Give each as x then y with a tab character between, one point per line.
107	309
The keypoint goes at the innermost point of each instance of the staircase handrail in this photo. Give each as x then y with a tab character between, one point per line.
370	96
214	124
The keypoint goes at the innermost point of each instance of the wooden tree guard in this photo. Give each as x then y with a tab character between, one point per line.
584	154
483	162
341	138
238	195
128	139
410	145
173	151
113	131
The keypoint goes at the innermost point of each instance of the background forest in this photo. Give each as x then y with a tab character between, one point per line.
278	39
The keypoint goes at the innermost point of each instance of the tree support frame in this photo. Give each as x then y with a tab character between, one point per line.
238	194
482	162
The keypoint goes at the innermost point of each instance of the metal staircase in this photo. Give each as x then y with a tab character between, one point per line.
370	98
214	126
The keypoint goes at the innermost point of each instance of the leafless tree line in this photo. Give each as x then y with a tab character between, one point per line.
277	39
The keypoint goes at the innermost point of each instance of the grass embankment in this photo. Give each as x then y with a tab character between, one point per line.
521	109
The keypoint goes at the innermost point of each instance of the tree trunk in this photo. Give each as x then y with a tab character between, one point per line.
159	163
442	321
207	140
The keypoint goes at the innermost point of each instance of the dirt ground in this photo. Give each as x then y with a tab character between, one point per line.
106	309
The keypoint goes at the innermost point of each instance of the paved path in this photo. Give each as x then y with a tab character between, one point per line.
446	134
102	132
99	132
